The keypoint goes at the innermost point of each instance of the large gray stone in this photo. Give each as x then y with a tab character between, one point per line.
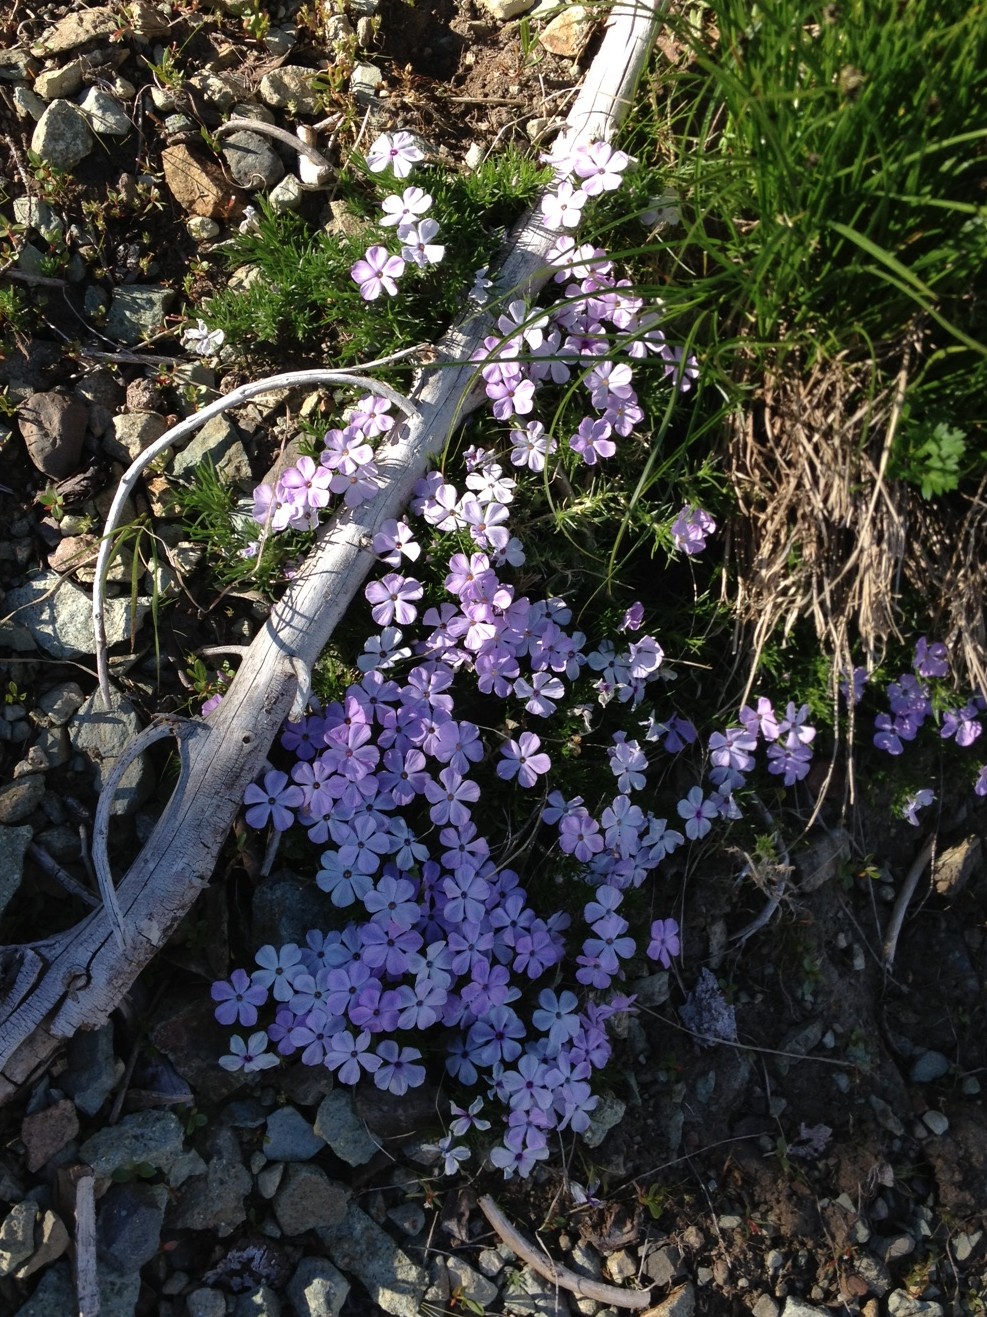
290	87
103	735
317	1289
17	1236
59	616
252	160
151	1138
53	426
216	1201
218	443
137	312
91	1071
308	1200
20	798
55	1294
395	1283
338	1123
290	1137
132	433
105	114
128	1227
61	136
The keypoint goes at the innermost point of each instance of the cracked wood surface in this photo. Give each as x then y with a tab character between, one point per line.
73	981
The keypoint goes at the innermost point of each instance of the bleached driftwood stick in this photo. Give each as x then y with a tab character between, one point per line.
561	1276
75	979
86	1275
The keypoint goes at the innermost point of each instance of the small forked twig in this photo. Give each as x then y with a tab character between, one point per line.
554	1271
237	397
904	899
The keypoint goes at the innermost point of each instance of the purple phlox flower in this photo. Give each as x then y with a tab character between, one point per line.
341	878
592	440
577	262
732	749
622	823
608	382
910	704
931	660
371	414
465	848
346	452
791	763
605	902
465	1119
392	899
453	1155
526	1087
383	651
312	1035
557	807
916	801
449	798
628	763
961	724
609	946
563	208
278	970
633	619
308	991
403	775
399	150
579	835
458	744
273	802
664	942
511	394
794	729
624	415
392	599
349	1056
417	246
249	1055
524	760
574	1101
389	946
518	321
586	1196
762	720
980	786
307	484
698	813
410	206
540	693
531	446
375	1008
352	752
486	522
398	1071
490	485
683	370
421	1003
394	539
238	999
466	895
479	294
489	986
280	1031
495	1038
600	167
536	950
675	734
644	658
557	1016
441	507
377	273
690	528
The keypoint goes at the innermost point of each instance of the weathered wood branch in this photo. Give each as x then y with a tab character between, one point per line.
74	980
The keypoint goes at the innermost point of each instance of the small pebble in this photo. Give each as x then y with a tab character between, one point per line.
936	1122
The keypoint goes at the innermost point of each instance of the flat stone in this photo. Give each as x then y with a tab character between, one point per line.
901	1304
218	443
608	1112
13	848
20	798
252	160
47	1131
91	1071
536	1296
128	1226
309	1200
290	1137
317	1289
290	87
338	1124
206	1303
765	1307
27	103
873	1272
680	1303
662	1265
55	1294
395	1283
106	115
216	1201
53	427
929	1067
17	65
197	184
469	1282
143	1138
137	312
221	89
61	136
954	867
258	1302
795	1307
80	27
103	735
503	10
286	195
936	1122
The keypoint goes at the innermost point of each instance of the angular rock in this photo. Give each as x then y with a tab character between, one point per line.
218	442
60	703
795	1307
337	1122
55	1294
954	867
216	1201
197	184
58	84
144	1138
291	87
929	1067
26	103
53	426
258	1302
309	1200
252	160
286	195
46	1132
103	735
395	1283
536	1296
567	33
17	1236
13	847
680	1303
61	136
206	1303
132	433
106	116
51	1239
317	1289
91	1071
469	1282
503	10
128	1225
137	312
290	1137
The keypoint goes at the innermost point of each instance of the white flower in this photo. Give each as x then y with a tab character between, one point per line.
478	294
563	208
399	150
202	340
418	245
250	1055
405	209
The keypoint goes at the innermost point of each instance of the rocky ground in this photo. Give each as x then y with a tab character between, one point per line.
833	1160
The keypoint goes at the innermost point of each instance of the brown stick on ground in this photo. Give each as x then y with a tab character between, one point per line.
75	979
554	1271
